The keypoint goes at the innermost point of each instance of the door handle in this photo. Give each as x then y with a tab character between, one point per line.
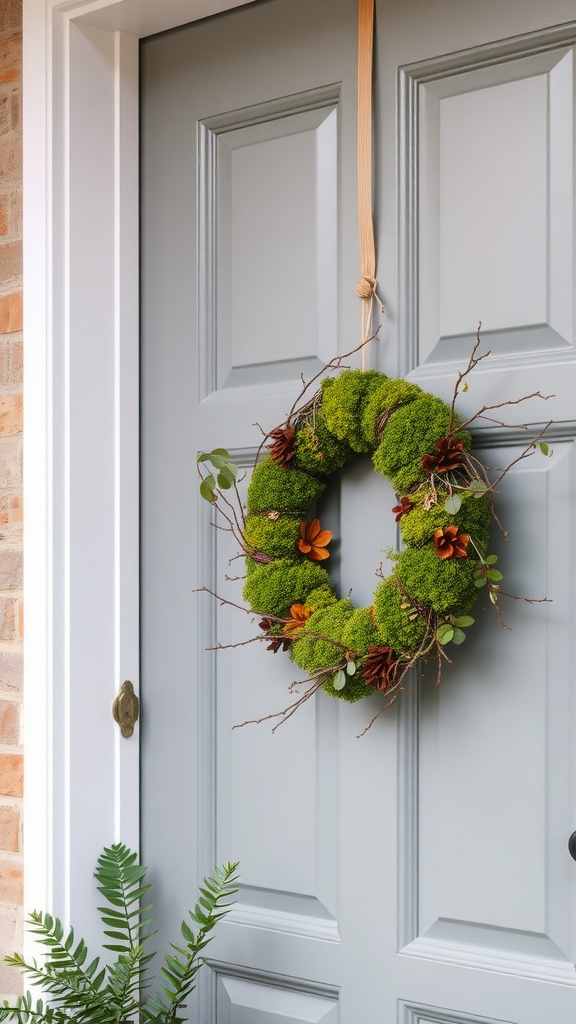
126	709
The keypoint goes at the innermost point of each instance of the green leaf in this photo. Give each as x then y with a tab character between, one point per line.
491	559
444	633
452	504
464	620
494	575
546	449
478	488
480	582
225	481
220	451
351	668
207	489
339	681
459	636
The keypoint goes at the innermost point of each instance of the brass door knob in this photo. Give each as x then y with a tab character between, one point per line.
126	709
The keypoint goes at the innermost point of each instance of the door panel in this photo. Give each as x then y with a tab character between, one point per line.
419	874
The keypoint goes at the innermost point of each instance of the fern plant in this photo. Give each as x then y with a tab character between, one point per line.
89	992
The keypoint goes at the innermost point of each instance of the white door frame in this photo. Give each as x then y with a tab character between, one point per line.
81	430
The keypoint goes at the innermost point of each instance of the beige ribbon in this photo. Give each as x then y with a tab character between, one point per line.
366	286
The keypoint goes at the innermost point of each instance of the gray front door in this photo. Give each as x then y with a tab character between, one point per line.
420	874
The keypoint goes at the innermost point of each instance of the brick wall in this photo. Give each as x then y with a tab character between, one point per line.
10	485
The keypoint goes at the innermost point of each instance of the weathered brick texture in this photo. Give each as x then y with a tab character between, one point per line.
11	615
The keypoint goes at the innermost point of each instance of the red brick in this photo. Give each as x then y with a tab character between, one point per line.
9	723
10	880
11	777
10	163
15	361
15	216
11	260
10	15
11	464
8	619
10	415
4	360
11	671
10	568
10	829
11	54
10	311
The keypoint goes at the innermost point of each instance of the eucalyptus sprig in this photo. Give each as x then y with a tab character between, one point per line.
224	476
91	993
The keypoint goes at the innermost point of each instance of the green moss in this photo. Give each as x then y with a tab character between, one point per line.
394	625
355	689
472	518
312	653
343	404
271	589
317	449
321	597
444	585
285	489
360	632
277	538
410	434
389	395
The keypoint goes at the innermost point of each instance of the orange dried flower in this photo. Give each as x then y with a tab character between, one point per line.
300	613
450	456
403	508
313	541
449	543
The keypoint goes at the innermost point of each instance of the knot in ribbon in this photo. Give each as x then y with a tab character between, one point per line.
366	287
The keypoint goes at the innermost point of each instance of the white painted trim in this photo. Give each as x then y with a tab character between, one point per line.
81	429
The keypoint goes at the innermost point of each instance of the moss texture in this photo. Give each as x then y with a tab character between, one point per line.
410	434
312	653
391	393
272	589
343	405
360	633
442	585
277	538
317	449
473	518
394	625
287	490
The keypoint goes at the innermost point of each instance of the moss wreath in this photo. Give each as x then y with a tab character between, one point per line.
444	508
444	512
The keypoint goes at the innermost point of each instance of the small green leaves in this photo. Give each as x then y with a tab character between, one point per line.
351	668
339	681
494	575
207	491
445	633
478	488
452	504
464	620
546	449
491	559
480	581
226	472
453	631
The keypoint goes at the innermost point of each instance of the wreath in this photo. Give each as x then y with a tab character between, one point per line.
444	509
